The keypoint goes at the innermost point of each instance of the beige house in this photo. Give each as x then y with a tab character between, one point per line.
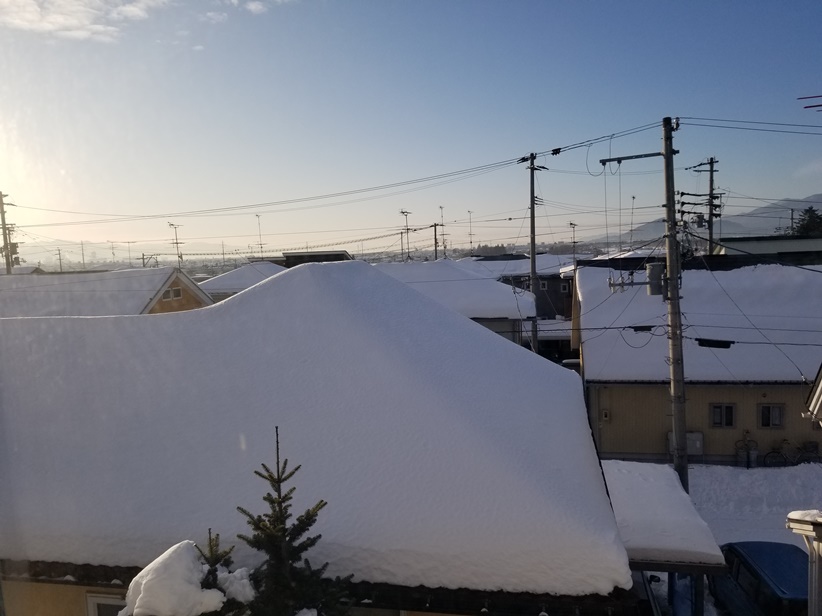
752	344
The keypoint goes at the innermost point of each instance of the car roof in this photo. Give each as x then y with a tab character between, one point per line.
783	565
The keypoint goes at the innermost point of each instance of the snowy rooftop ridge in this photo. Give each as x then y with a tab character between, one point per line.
770	313
119	292
465	486
241	278
472	295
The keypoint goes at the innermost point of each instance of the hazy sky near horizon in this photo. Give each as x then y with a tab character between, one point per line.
118	117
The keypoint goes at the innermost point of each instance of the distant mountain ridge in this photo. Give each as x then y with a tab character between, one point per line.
771	219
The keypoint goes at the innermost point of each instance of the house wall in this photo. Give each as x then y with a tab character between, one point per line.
188	301
632	421
26	598
507	328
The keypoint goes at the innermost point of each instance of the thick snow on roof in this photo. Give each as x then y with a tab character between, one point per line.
147	431
771	312
546	264
657	520
470	294
120	292
241	278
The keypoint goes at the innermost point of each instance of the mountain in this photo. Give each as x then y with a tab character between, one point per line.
771	219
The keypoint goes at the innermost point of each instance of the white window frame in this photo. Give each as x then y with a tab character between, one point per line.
177	293
771	425
92	601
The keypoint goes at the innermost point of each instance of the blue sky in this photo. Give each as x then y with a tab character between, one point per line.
141	110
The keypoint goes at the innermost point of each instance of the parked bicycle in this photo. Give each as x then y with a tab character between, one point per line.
791	454
747	451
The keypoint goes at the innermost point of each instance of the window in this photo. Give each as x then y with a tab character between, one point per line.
723	415
104	605
543	284
173	293
564	287
771	415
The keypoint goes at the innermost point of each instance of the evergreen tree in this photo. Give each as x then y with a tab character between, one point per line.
215	558
809	223
286	583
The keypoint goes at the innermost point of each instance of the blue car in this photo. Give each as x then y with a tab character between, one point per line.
764	578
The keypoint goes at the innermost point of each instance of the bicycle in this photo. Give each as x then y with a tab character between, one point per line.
746	450
791	454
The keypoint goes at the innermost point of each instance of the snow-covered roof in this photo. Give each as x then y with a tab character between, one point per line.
433	473
496	268
120	292
669	531
241	278
770	312
472	295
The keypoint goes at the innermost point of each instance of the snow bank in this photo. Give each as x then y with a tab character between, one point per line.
170	586
752	504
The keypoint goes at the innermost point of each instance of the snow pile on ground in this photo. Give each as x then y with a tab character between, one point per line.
170	586
752	504
148	431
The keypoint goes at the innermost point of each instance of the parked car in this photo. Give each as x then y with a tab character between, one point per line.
764	578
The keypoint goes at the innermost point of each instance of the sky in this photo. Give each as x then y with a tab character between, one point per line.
123	122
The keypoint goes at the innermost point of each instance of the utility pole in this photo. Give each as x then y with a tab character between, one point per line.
442	224
533	167
436	243
573	226
677	369
260	235
177	246
713	209
407	235
60	259
471	233
672	251
6	243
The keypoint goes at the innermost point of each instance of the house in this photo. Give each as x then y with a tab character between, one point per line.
444	491
554	298
499	307
121	292
230	283
751	347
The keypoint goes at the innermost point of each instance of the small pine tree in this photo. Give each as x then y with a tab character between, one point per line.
286	583
215	558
